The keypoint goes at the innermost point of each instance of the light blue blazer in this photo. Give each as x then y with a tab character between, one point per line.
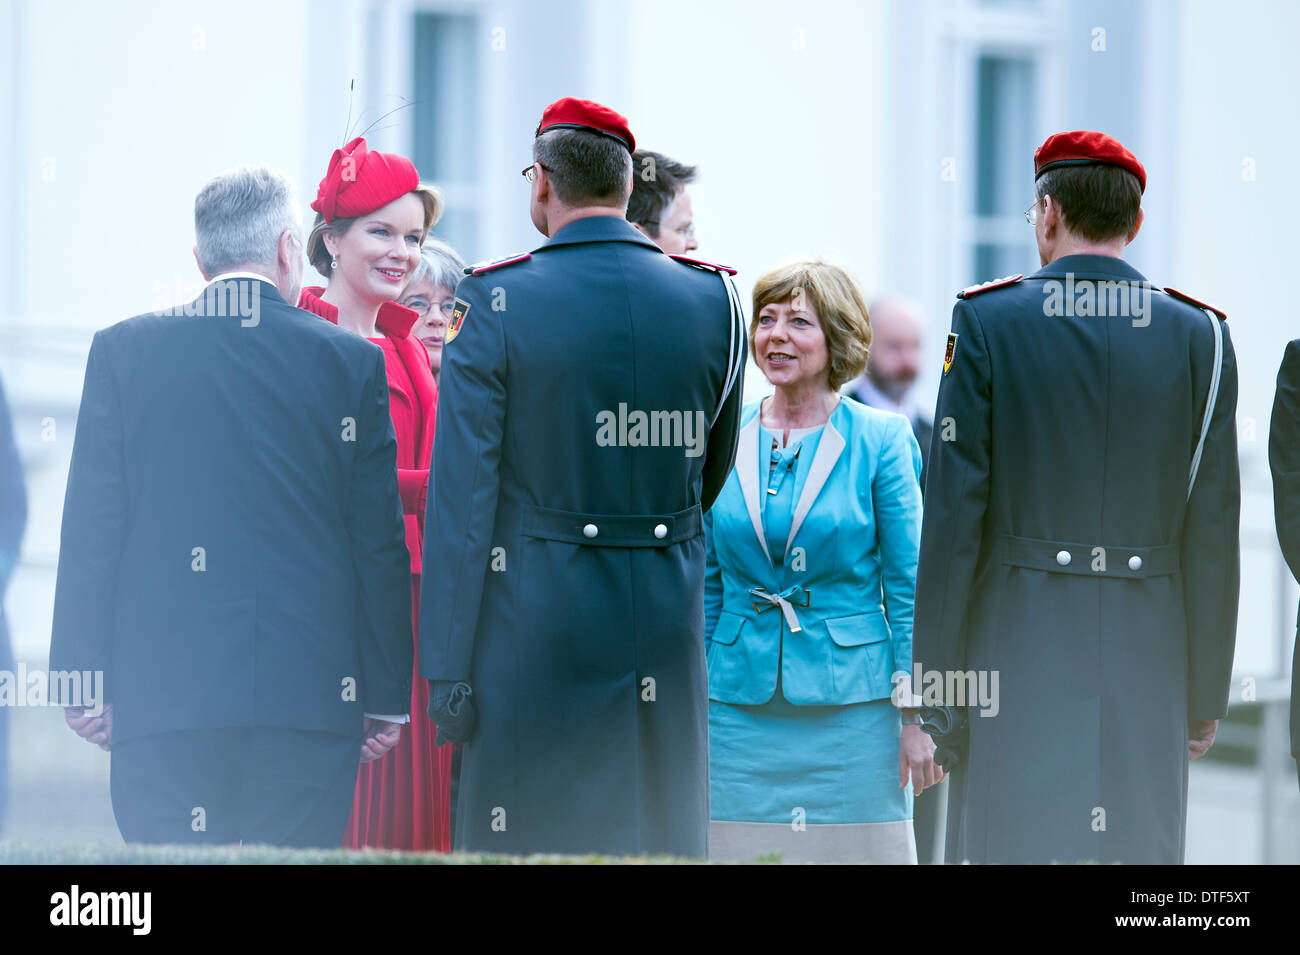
837	615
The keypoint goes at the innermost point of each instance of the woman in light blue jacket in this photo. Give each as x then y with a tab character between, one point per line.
812	550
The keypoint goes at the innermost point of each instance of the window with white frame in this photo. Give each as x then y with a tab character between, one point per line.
445	134
1002	242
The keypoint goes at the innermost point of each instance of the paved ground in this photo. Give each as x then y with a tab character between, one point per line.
59	784
60	794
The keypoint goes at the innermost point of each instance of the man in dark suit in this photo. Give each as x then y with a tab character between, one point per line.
13	518
587	419
1284	462
897	327
233	554
1080	538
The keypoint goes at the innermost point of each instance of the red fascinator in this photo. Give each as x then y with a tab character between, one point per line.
361	180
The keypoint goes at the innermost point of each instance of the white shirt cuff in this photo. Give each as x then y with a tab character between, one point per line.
404	718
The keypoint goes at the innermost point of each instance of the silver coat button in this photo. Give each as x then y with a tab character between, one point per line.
1062	557
661	531
590	531
1135	562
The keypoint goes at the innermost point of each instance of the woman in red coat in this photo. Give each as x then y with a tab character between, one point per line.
373	214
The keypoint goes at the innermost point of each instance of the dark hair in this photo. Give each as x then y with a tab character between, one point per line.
656	180
585	167
1097	202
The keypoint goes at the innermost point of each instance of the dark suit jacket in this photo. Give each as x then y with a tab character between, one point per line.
1060	551
233	550
1284	462
922	427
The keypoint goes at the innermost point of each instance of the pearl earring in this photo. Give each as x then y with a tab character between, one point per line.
334	264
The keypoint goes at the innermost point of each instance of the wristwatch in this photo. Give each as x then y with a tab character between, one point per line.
914	719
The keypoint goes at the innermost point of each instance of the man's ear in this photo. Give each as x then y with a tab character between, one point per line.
286	249
1051	215
543	185
206	276
1137	226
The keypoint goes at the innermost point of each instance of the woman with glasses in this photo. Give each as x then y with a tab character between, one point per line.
432	295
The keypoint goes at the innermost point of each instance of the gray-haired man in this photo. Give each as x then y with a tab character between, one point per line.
233	557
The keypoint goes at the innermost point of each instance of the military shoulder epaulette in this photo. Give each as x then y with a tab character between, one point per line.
973	290
1183	296
700	264
478	268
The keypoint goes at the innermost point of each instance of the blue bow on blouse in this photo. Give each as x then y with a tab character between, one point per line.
782	463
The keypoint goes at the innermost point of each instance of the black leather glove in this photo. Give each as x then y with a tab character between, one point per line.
949	727
451	706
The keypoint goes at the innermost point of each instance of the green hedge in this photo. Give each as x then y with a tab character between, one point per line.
30	853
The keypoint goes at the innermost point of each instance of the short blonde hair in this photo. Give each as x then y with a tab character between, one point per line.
318	255
841	310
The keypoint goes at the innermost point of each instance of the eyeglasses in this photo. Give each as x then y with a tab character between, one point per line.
530	173
1031	214
421	308
687	231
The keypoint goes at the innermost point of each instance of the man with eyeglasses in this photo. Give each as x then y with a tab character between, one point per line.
660	206
1079	551
587	417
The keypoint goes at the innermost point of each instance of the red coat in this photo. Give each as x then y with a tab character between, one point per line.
401	799
412	403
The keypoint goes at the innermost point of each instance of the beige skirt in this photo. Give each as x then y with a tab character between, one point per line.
882	843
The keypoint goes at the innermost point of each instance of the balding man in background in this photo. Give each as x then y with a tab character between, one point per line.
897	326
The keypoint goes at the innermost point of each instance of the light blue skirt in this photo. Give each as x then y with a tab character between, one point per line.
819	783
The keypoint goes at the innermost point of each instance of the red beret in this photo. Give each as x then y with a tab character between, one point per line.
1083	147
360	181
570	113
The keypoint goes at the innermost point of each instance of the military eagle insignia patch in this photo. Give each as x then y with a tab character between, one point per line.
458	313
950	355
